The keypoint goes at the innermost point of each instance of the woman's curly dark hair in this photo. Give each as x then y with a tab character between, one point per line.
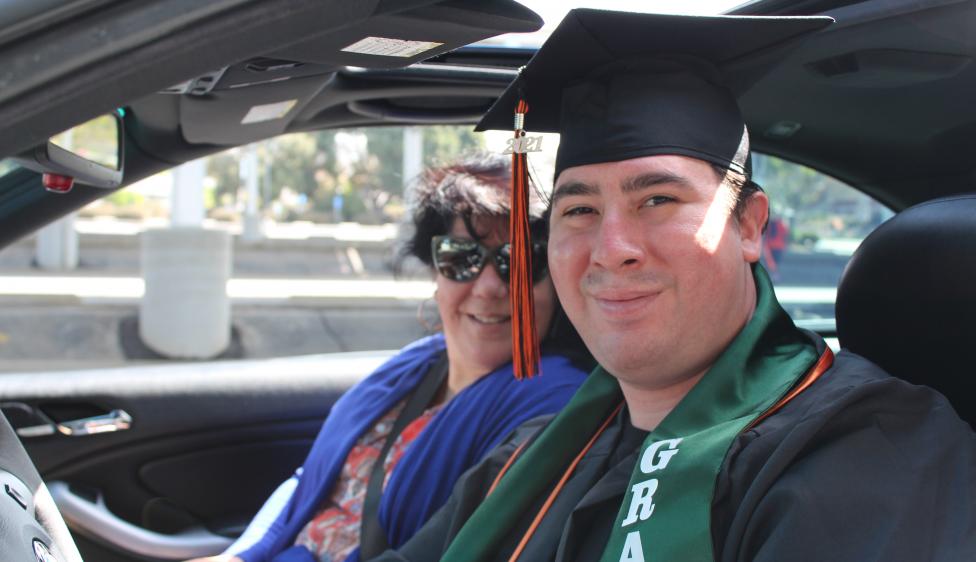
476	186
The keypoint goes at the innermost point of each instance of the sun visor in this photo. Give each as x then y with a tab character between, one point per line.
260	97
400	38
240	116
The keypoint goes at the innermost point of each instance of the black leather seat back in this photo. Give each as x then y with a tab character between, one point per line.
907	299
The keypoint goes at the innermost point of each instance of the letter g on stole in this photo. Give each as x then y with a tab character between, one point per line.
655	459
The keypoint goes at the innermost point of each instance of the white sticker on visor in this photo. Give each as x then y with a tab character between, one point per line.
387	47
268	112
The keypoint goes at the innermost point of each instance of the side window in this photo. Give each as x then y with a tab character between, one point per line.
815	224
6	165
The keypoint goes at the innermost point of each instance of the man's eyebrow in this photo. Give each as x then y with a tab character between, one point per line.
630	185
651	179
573	188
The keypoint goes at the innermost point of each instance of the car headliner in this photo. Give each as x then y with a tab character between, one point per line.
876	100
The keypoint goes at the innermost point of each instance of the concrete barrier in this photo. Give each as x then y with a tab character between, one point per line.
185	312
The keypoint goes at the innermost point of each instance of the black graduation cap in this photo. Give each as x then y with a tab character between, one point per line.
621	85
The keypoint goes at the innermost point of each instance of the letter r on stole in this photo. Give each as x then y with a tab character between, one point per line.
641	501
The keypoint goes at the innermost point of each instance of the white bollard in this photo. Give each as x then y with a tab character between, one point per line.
185	311
57	245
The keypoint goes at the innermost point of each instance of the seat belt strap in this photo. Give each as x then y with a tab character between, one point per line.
372	539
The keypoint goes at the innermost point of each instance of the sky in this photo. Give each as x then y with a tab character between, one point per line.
552	12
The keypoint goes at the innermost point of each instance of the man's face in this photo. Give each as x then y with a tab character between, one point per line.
651	266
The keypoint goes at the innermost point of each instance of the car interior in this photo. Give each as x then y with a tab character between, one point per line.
881	100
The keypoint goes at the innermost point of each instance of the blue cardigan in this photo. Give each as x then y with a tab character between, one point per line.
458	436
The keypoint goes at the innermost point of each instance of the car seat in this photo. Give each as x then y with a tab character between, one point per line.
907	299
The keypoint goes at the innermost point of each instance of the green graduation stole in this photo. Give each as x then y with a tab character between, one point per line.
666	512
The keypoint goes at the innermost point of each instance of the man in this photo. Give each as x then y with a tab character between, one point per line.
714	429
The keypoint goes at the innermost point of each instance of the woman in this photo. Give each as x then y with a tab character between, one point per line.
461	378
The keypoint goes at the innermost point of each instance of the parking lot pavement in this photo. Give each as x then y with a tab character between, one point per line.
49	334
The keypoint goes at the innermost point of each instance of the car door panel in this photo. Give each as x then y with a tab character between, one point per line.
206	445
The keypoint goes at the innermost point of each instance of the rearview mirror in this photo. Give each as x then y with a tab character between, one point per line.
90	153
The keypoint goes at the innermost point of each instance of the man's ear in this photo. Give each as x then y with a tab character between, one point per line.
755	214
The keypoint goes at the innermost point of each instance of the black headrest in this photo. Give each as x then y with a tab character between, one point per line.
907	299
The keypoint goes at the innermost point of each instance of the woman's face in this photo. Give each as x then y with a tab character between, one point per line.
477	315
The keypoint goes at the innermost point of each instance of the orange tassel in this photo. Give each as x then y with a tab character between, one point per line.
525	343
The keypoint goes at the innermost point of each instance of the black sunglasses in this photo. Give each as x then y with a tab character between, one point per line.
462	259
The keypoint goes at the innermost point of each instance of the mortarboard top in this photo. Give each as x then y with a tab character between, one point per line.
621	85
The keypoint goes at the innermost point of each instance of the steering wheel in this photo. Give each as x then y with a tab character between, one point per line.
31	528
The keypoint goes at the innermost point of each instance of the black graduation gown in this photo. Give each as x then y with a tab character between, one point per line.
859	467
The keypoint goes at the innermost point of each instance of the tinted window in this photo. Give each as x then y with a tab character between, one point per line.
7	165
816	223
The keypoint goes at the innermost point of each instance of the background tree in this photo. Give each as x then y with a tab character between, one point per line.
386	145
224	169
305	167
445	142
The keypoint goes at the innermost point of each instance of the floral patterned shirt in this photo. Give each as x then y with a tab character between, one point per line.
334	532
